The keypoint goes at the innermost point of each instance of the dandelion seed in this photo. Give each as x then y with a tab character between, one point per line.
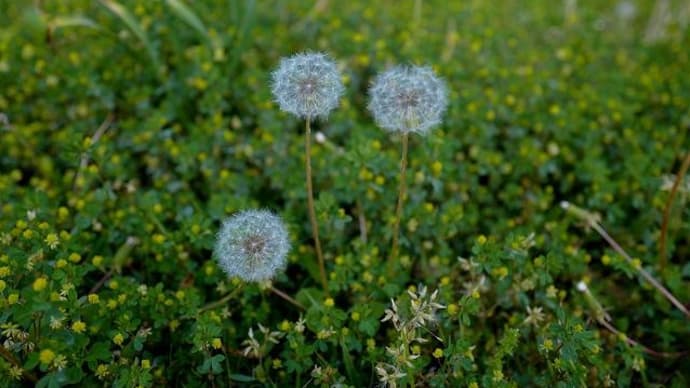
307	85
252	245
408	99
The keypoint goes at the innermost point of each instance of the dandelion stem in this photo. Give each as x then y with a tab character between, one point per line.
632	342
401	198
310	205
220	301
592	222
84	161
603	318
362	222
667	211
287	297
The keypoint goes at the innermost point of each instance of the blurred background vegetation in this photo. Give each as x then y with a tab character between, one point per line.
129	129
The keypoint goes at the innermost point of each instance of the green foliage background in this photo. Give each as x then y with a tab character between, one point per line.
547	104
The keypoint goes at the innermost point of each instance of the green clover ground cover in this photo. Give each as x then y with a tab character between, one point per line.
130	130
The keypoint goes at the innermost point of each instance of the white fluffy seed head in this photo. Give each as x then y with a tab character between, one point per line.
307	85
408	99
252	245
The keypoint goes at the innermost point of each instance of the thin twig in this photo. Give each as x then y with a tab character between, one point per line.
101	282
644	348
401	198
85	156
603	318
667	211
12	360
362	222
310	206
591	221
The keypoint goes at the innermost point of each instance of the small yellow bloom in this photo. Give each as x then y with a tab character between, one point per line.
438	353
481	240
329	302
93	298
371	344
637	263
2	285
355	316
13	298
277	363
75	257
101	371
97	261
145	364
78	327
46	356
61	263
217	343
5	271
63	212
118	339
40	284
436	168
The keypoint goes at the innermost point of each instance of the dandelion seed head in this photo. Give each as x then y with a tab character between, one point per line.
252	245
307	85
408	99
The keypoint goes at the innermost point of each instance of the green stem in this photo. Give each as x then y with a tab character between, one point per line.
310	205
667	211
220	301
401	199
287	298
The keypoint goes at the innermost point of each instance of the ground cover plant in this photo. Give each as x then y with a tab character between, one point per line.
542	225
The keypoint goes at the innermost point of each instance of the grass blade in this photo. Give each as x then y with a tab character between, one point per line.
72	21
185	13
133	24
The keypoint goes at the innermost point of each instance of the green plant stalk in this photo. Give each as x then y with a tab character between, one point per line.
287	298
401	198
310	206
410	370
592	222
220	301
667	211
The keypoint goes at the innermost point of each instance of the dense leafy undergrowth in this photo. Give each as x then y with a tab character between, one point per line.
130	130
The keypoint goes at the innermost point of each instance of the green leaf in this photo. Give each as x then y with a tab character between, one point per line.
349	365
72	21
241	378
